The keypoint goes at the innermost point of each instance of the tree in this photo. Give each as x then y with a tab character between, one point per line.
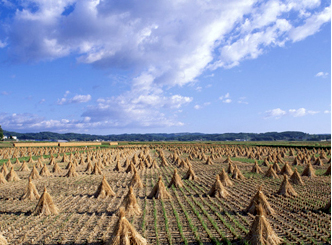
1	133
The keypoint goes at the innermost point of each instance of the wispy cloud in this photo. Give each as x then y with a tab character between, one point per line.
225	98
322	74
76	99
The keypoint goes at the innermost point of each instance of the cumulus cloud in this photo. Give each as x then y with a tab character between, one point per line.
322	74
225	98
165	43
278	113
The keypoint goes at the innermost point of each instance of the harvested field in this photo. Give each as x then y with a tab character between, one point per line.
190	216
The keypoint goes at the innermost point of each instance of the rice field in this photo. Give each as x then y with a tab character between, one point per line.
191	216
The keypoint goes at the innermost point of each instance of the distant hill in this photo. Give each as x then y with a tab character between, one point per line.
269	136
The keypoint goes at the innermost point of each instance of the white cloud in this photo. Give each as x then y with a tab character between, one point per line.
311	26
322	74
225	98
166	43
298	113
197	107
74	100
327	111
278	113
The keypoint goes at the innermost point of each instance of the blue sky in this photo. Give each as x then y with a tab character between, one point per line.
113	67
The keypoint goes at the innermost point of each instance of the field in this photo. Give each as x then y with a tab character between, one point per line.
189	217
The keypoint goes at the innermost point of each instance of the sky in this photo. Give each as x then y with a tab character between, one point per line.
114	67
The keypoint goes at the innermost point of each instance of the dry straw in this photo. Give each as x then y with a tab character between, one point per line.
12	175
286	169
176	180
34	173
56	169
136	181
309	171
31	192
124	233
45	205
3	240
130	203
4	170
296	178
190	175
259	197
261	231
24	167
104	189
72	172
2	179
286	189
96	170
218	190
237	174
159	191
256	168
271	173
225	179
45	172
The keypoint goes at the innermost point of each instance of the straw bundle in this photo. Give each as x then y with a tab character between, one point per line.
96	170
271	173
230	168
225	179
117	166
9	164
318	162
218	190
190	175
259	197
89	167
72	172
131	168
159	191
154	164
256	168
266	162
12	175
24	167
296	178
39	163
45	172
209	161
4	170
124	233
136	181
237	174
261	231
286	169
2	179
56	169
104	190
31	192
176	180
286	189
228	160
130	203
45	205
309	171
276	167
